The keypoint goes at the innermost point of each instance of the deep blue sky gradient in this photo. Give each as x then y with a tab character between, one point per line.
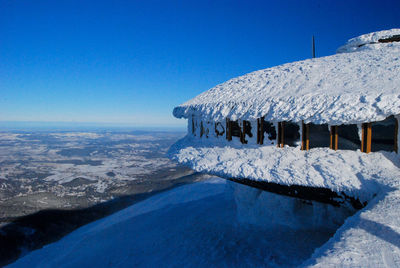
133	61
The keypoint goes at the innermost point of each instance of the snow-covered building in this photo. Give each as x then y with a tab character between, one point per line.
303	128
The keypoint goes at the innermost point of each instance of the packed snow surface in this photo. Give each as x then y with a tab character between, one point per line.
371	238
354	173
345	88
197	226
189	226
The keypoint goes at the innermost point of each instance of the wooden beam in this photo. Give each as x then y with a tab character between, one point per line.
228	129
334	138
260	130
193	129
305	136
243	133
366	137
201	129
396	132
281	134
369	138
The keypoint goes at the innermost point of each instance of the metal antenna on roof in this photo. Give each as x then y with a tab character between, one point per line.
313	47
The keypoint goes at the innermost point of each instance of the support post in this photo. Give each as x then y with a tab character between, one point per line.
396	133
281	129
228	129
334	138
243	133
305	136
201	129
366	137
260	132
193	129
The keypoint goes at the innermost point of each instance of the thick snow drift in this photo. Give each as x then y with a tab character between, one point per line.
354	173
371	238
346	88
369	41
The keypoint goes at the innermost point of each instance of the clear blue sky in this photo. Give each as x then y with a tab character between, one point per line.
133	61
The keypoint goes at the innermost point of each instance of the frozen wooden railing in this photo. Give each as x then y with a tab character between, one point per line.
283	134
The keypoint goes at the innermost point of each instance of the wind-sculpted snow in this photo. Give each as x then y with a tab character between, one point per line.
368	41
357	174
343	88
189	226
370	238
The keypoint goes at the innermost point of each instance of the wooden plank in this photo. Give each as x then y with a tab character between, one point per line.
228	129
201	129
396	133
369	138
305	136
362	138
281	134
278	144
243	132
334	137
366	137
193	127
260	132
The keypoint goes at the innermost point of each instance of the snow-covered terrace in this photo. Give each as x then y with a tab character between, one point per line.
347	89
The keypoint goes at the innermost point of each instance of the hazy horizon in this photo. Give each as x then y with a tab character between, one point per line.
89	126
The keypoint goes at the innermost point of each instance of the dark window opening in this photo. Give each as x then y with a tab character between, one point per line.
349	138
235	128
246	131
269	130
247	128
291	134
319	135
219	129
383	135
194	124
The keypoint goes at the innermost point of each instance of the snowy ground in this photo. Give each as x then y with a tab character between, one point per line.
371	238
193	225
197	225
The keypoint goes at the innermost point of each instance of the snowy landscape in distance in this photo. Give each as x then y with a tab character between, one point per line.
53	181
199	133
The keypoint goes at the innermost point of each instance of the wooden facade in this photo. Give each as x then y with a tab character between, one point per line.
260	130
243	129
334	138
305	136
366	137
281	134
396	135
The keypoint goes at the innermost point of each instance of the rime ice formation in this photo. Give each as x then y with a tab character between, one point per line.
345	88
370	41
354	173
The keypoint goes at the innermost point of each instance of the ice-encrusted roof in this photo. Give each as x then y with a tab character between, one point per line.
343	88
370	41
